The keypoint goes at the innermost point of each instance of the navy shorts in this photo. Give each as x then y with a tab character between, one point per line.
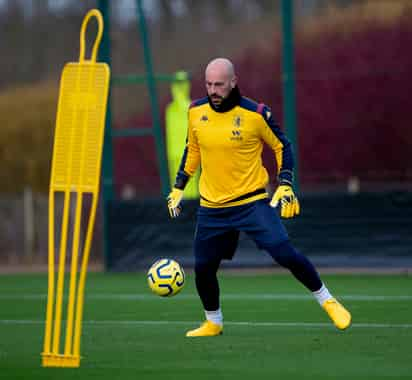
217	229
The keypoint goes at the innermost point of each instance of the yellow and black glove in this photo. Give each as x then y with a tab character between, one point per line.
285	198
173	202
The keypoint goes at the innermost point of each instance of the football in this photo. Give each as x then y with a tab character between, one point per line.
166	277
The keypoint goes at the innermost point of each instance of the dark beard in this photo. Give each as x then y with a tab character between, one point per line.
231	101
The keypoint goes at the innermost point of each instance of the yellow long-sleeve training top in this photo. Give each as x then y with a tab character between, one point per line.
228	144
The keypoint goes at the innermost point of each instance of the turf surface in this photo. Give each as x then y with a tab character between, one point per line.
273	330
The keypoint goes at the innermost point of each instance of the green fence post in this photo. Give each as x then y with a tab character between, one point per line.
158	135
288	83
107	159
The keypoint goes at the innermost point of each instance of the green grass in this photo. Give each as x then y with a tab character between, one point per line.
131	334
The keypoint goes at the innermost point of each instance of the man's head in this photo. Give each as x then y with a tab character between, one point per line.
220	79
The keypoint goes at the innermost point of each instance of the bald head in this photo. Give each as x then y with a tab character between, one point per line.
220	79
222	66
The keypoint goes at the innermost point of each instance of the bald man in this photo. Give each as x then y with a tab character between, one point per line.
226	136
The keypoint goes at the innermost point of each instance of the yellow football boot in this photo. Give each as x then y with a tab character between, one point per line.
337	313
207	328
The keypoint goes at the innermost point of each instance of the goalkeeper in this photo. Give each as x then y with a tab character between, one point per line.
226	135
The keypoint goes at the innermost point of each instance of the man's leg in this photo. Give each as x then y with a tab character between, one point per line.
207	284
271	236
300	266
209	251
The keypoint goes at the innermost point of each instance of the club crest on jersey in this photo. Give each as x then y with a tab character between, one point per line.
237	121
204	118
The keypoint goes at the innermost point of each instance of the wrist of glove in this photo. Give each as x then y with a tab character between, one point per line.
285	199
173	202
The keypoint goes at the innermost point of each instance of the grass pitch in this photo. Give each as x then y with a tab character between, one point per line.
273	330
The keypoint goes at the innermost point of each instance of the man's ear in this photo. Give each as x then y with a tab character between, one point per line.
233	82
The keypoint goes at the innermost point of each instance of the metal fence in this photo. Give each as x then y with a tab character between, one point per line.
369	230
24	230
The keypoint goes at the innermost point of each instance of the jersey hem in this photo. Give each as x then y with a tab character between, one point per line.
205	203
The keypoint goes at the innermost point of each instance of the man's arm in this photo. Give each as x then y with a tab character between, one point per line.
278	142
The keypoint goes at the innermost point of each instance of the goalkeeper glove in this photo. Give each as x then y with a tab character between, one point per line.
173	202
289	204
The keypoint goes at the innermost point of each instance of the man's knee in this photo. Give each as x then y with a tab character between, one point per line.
200	267
204	267
284	254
